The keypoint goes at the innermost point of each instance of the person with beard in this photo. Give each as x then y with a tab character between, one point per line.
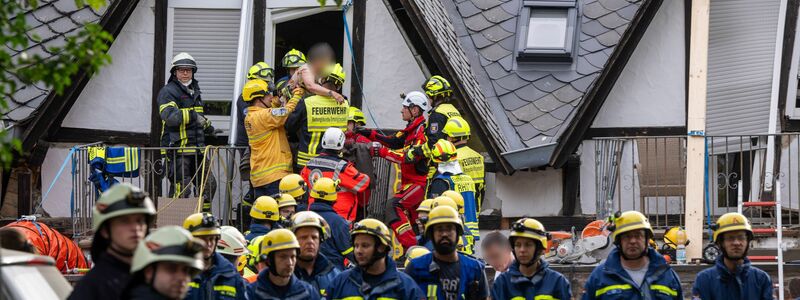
529	276
219	279
446	274
164	264
279	251
294	185
120	219
633	270
376	276
311	229
732	277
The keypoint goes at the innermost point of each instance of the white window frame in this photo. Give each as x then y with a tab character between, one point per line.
548	54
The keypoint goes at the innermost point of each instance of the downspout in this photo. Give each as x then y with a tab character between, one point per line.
773	101
242	52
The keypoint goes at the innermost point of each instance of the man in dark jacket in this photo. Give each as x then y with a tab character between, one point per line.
277	281
184	129
219	279
732	277
338	246
121	218
311	229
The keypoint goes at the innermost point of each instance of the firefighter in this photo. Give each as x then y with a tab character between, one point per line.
294	185
530	276
330	164
633	270
311	230
337	247
414	252
265	217
413	175
449	177
219	279
446	273
355	120
270	155
279	250
292	60
287	206
422	217
252	265
120	219
458	206
357	150
320	57
316	114
376	276
184	127
164	264
458	132
232	244
732	276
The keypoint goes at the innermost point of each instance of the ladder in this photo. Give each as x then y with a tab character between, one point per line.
777	231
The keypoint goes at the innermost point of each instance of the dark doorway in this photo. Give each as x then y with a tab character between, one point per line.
304	32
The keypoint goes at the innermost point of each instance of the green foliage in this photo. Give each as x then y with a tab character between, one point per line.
338	2
85	50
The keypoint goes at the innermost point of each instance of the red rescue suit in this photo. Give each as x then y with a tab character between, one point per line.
351	181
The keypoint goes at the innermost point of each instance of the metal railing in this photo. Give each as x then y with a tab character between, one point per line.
648	174
173	178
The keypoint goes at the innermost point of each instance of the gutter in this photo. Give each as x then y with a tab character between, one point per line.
533	157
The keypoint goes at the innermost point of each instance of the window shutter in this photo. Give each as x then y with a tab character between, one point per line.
211	37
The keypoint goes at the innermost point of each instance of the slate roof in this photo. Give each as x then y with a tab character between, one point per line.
532	103
49	25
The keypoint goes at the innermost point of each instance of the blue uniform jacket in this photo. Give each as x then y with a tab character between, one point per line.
718	282
610	281
425	272
391	285
338	246
262	288
321	277
257	230
222	281
545	282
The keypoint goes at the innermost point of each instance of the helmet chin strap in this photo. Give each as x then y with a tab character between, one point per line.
376	256
119	252
725	253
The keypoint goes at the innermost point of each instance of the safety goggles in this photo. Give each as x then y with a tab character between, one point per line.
519	227
292	59
265	74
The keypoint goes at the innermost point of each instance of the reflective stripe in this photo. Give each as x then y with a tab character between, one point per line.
194	285
259	137
386	298
611	288
664	289
518	298
432	291
264	171
346	252
226	290
198	109
164	106
351	298
544	297
182	128
361	183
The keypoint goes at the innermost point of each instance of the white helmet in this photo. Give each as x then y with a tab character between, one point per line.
333	139
183	59
232	242
417	98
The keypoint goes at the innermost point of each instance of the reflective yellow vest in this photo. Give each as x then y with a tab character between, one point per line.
449	111
322	112
472	164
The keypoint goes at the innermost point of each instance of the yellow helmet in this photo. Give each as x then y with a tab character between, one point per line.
261	70
277	240
375	228
293	59
285	200
444	215
672	239
529	228
253	89
425	205
456	127
629	221
414	252
255	249
265	208
292	184
356	115
437	86
202	224
324	189
443	151
446	201
169	243
333	73
311	219
732	222
457	197
119	200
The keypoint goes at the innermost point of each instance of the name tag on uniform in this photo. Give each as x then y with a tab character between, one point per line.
279	112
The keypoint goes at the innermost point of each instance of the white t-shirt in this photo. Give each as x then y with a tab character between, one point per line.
637	274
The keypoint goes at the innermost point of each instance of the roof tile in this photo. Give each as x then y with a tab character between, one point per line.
65	7
594	10
480	41
495	71
41	33
477	22
548	103
527	131
583	83
510	25
511	102
497	14
593	28
507	62
511	82
562	112
530	93
612	20
527	112
597	59
499	90
567	94
609	38
512	7
46	13
548	84
496	33
628	12
545	122
614	4
467	9
486	4
592	45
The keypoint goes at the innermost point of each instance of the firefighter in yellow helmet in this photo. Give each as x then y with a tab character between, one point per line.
251	265
266	217
444	229
270	157
324	191
422	217
357	148
458	132
164	264
318	271
287	206
316	114
279	250
376	275
263	71
295	186
528	240
633	270
732	276
219	279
